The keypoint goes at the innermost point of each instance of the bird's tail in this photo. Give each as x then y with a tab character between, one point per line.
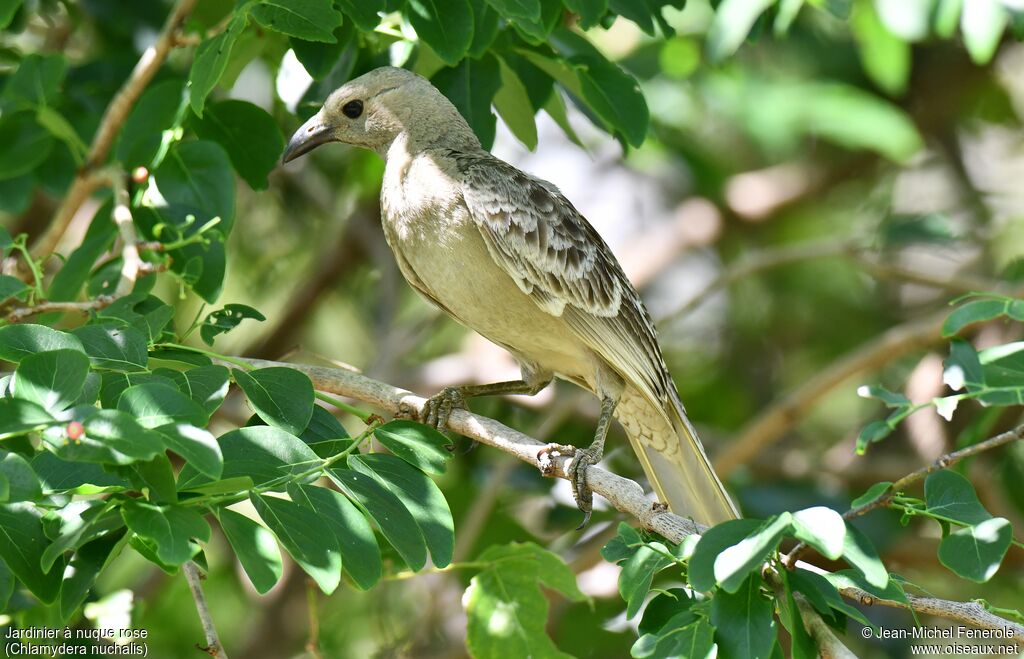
673	458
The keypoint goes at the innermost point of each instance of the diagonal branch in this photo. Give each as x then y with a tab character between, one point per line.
87	180
624	494
213	645
773	423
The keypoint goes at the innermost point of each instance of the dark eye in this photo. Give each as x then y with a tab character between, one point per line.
352	109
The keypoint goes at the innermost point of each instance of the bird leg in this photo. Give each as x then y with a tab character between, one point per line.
585	458
439	407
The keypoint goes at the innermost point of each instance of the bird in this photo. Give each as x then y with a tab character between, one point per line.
507	255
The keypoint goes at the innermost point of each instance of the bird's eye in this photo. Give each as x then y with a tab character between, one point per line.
352	109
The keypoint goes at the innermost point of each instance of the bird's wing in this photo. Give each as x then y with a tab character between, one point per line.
536	235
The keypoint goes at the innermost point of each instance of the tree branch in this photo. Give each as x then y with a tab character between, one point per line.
86	181
19	314
624	494
774	422
213	646
131	262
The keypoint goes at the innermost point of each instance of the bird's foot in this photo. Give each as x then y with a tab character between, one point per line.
439	407
582	459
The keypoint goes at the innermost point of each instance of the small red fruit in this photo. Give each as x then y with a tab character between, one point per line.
140	175
75	430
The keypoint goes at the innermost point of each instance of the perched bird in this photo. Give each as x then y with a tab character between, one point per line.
507	255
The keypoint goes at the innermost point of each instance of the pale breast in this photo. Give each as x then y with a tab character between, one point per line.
443	255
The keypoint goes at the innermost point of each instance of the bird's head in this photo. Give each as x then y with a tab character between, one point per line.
375	108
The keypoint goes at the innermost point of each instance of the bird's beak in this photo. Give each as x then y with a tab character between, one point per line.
309	136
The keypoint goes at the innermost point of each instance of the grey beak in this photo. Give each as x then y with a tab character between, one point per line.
309	136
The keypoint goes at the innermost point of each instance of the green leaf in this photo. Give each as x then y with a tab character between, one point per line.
300	531
59	475
26	144
860	553
517	9
12	287
625	544
962	367
36	81
802	645
319	58
734	563
260	452
825	598
8	9
68	281
513	104
170	528
79	528
196	445
890	398
418	444
155	405
206	385
421	497
975	311
612	93
873	493
394	519
110	437
855	119
226	319
53	380
637	573
18	341
18	417
505	608
684	635
364	13
211	60
731	25
197	176
471	86
485	28
155	112
255	548
948	494
283	397
146	313
22	482
60	128
444	25
875	431
312	20
716	540
982	24
975	552
86	565
743	620
662	608
323	427
115	348
249	135
589	11
22	542
821	528
360	555
885	57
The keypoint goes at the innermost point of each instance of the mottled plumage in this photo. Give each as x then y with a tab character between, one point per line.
507	255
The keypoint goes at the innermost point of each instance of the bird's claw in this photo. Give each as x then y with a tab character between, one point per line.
438	407
577	472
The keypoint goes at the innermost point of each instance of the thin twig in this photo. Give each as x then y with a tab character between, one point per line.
19	314
213	646
774	422
829	645
625	495
131	262
942	462
850	248
85	183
